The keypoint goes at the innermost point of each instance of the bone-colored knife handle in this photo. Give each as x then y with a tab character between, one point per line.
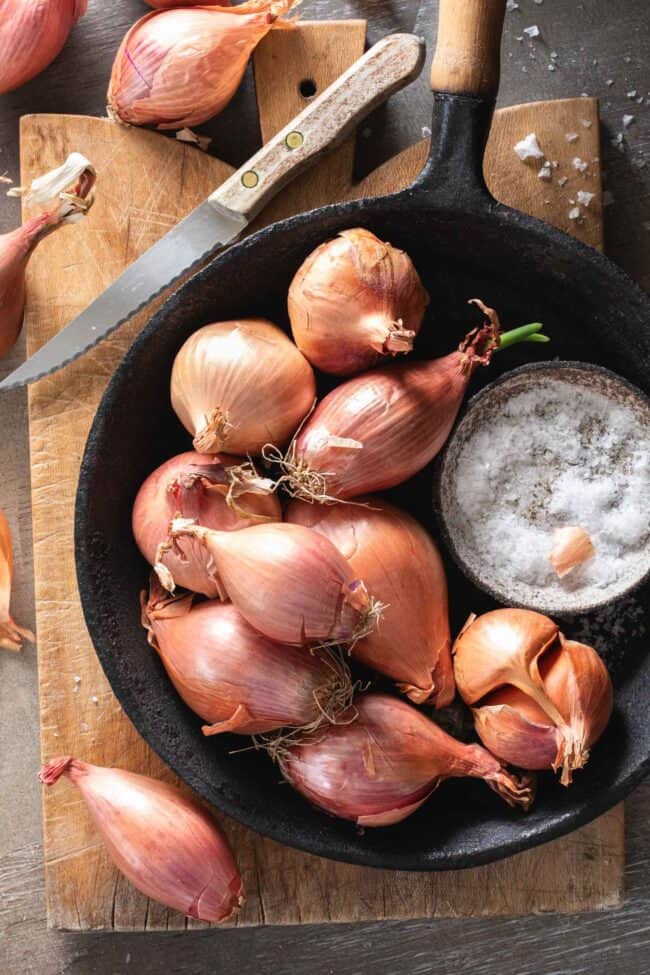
388	66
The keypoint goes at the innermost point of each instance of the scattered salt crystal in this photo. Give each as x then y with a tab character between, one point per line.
529	148
584	197
579	164
538	2
75	689
571	136
532	31
608	198
551	67
512	5
525	69
584	94
554	55
640	100
519	38
83	727
627	59
5	178
426	131
609	82
554	163
574	213
545	172
632	94
95	699
586	123
77	679
562	180
628	120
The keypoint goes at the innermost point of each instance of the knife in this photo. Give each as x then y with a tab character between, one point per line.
220	220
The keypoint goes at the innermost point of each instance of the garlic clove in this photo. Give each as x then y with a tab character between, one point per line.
572	546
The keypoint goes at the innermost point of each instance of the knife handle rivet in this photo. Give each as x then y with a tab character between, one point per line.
250	179
294	140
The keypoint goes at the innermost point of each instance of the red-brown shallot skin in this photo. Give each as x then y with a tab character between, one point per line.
354	301
401	566
163	842
173	490
395	418
32	33
233	677
379	768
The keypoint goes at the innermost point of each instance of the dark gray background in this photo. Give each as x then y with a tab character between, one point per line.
596	41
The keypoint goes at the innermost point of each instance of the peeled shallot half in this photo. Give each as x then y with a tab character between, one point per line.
401	566
354	301
164	843
236	679
379	768
239	385
539	701
216	490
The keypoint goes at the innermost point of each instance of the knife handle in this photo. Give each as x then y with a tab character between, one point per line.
388	66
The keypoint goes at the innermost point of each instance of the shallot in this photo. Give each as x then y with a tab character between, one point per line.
11	634
32	33
178	68
164	843
199	486
401	566
380	428
379	768
540	701
238	385
290	583
354	301
236	679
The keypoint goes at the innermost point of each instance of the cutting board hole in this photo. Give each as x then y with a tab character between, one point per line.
307	87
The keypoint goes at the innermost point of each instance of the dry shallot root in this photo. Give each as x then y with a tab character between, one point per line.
539	701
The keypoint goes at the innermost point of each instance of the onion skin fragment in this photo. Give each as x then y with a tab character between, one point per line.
401	566
32	34
354	301
236	679
378	768
192	485
166	844
539	701
571	548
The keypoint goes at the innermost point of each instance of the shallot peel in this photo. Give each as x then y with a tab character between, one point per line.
354	301
539	701
378	769
236	679
380	428
237	385
218	491
164	843
290	583
180	67
11	634
32	33
401	566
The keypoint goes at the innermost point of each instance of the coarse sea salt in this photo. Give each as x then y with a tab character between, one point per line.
559	454
529	148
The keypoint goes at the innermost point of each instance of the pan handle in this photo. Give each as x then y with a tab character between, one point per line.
465	80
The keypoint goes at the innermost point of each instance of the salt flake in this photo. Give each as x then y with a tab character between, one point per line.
512	5
545	172
571	136
532	31
586	123
632	93
609	82
579	164
584	197
574	213
562	180
529	148
628	121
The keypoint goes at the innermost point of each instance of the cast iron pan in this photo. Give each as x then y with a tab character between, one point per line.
464	244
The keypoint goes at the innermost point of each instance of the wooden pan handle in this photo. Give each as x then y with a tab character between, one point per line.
384	69
467	57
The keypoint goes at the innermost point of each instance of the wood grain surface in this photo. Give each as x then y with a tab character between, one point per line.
146	185
468	48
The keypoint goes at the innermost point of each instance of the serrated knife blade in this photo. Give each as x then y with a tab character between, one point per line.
385	68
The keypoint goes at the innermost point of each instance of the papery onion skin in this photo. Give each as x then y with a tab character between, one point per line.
236	679
239	385
164	843
379	768
289	582
180	67
539	701
354	301
380	428
175	488
32	34
401	566
11	634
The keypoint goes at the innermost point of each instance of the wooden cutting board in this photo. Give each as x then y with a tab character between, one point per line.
146	184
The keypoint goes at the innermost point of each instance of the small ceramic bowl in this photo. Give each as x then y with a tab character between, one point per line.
546	446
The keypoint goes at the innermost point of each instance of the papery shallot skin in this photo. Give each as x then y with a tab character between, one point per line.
401	566
233	677
11	634
354	301
379	768
32	33
289	582
182	486
167	845
180	67
380	428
